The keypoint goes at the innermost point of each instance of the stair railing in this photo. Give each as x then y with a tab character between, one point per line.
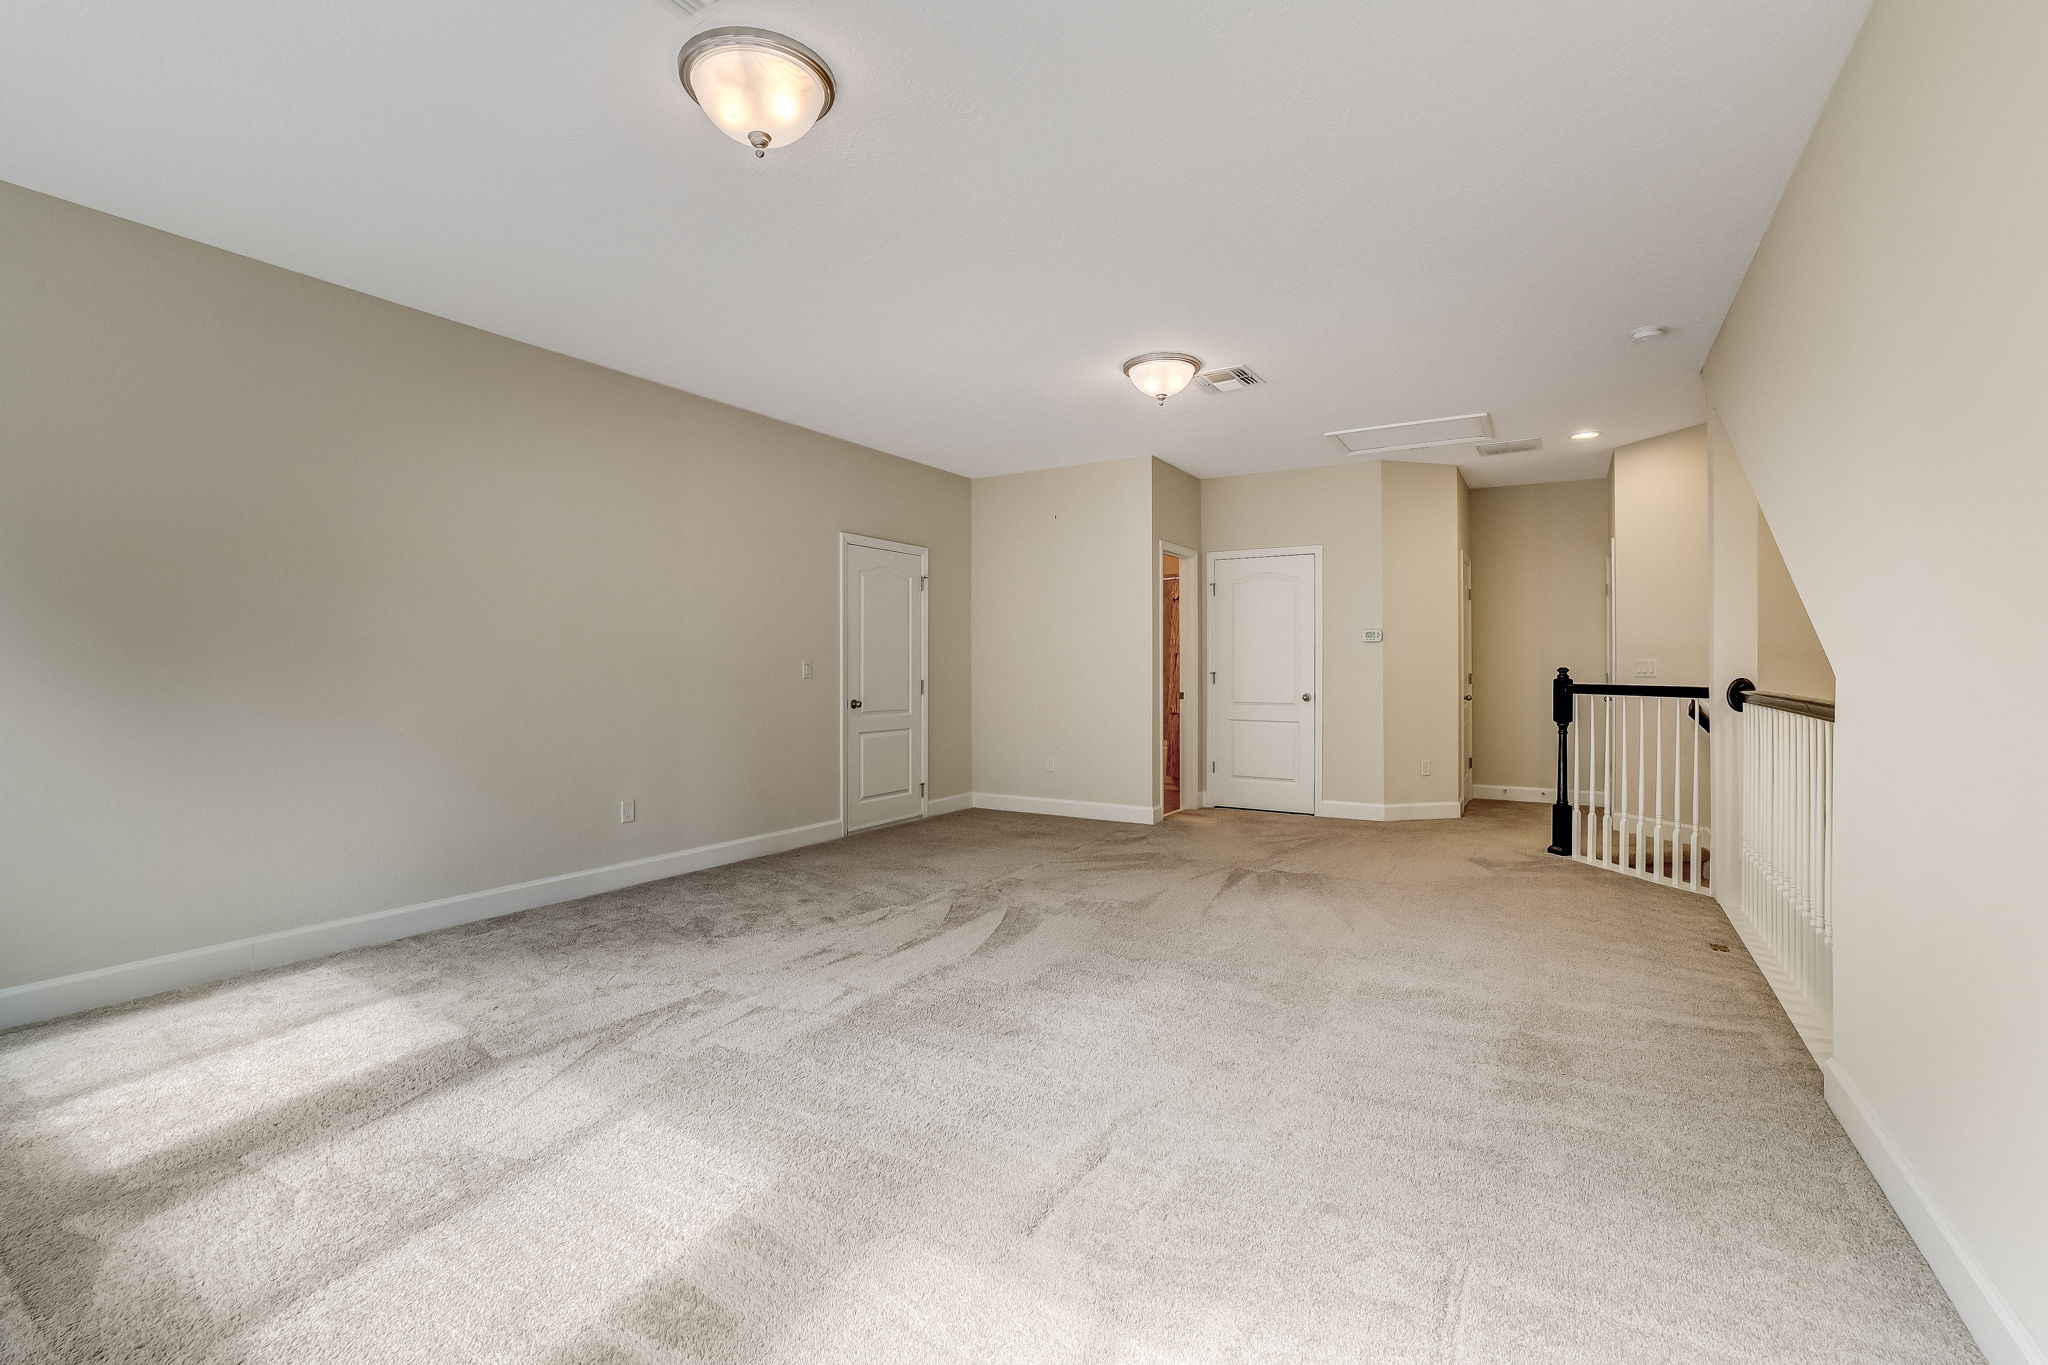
1634	780
1785	903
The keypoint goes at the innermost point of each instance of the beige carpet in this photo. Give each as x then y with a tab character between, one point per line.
991	1088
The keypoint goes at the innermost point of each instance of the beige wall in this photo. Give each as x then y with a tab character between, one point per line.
1662	567
1539	602
1731	644
315	606
1066	573
1789	654
1419	521
1338	508
1867	378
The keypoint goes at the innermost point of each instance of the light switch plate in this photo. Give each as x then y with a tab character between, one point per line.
1646	668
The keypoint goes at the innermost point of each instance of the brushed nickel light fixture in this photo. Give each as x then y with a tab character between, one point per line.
1161	374
762	89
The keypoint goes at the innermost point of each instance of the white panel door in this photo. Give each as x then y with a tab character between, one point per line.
884	685
1262	681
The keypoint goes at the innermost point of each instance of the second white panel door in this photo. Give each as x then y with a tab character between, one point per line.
1262	686
884	678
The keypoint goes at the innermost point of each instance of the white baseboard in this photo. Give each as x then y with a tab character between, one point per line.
1412	810
1808	1020
1077	810
2000	1334
946	805
35	1001
1540	795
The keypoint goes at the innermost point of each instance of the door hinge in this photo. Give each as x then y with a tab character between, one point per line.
920	687
1212	677
1212	765
920	789
924	582
1212	590
1468	762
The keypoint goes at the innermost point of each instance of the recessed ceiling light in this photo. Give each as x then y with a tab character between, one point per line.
1161	374
762	89
1649	334
1585	435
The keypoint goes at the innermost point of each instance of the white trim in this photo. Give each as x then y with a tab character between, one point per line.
946	805
1077	810
1209	559
1412	810
1542	795
35	1001
924	667
2000	1334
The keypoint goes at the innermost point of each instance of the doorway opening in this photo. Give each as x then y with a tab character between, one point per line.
1179	744
1172	696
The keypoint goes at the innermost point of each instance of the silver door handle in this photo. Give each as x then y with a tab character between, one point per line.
1306	697
855	703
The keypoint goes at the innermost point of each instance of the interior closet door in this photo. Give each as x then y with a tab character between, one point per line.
883	682
1262	680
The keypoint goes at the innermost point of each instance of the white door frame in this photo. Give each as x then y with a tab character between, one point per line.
1316	716
924	666
1191	794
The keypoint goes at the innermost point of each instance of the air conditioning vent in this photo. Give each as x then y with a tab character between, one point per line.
1229	379
1511	447
693	6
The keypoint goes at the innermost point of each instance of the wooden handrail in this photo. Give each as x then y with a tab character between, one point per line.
1742	692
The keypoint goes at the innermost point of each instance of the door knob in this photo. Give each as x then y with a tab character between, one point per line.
1306	697
855	703
1468	696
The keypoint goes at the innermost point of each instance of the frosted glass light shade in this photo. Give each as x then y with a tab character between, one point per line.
1161	374
762	90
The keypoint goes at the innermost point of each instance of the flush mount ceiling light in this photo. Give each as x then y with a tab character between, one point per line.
762	89
1585	436
1161	374
1649	334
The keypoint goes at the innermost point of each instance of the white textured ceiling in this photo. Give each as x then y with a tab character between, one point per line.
1392	209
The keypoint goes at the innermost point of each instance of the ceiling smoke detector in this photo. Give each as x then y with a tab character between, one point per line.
1229	379
1511	447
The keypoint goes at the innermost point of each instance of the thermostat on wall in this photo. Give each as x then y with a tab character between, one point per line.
1372	637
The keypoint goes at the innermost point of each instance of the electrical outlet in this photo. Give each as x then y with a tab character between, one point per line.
1429	767
1646	668
807	668
626	813
1048	763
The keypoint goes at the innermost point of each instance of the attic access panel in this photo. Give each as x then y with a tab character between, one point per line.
1467	429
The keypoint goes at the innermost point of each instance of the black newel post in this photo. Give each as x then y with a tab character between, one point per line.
1561	809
